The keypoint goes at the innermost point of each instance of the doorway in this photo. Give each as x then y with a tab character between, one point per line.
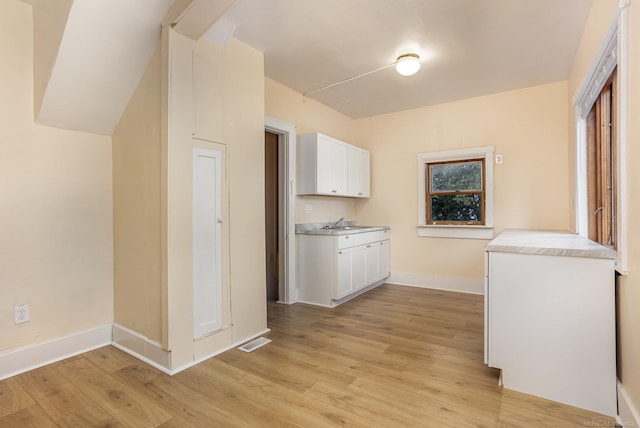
272	214
280	142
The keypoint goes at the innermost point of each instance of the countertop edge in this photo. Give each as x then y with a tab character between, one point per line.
337	232
548	243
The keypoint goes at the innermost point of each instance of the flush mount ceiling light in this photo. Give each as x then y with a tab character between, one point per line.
408	64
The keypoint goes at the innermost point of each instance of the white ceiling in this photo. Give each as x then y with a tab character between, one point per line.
468	47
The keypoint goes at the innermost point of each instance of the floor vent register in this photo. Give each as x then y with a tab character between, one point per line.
254	344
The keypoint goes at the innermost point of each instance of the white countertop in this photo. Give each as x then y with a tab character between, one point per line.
549	243
346	230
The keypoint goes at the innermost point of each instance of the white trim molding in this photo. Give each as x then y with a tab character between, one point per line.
434	282
287	205
31	357
628	414
485	231
142	348
613	53
218	352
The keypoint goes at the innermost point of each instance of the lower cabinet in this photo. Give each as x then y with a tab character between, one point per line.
351	271
550	317
332	269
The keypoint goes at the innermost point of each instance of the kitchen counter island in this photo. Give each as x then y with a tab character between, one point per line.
550	317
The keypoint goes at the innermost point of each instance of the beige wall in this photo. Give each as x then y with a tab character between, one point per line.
136	208
528	127
630	285
216	99
55	207
600	20
311	116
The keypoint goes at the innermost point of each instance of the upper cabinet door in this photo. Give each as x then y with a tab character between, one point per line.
330	167
358	184
331	163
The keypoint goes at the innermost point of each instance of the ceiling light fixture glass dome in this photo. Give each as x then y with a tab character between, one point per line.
408	64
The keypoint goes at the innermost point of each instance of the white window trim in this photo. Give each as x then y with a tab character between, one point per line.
614	52
485	231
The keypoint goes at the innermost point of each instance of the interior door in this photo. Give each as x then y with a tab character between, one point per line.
271	199
207	242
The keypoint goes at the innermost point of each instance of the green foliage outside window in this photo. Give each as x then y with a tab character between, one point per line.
456	192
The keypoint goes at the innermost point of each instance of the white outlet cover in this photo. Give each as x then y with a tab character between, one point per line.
21	314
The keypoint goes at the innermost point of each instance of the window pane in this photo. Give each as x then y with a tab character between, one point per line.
456	176
462	208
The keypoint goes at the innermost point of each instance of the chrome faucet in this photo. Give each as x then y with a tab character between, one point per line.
337	223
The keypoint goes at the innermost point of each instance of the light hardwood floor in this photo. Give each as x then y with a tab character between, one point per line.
394	357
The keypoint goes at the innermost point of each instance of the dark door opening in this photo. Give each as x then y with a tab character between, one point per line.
271	195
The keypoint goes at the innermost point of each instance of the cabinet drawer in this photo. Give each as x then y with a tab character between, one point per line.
352	240
369	237
346	241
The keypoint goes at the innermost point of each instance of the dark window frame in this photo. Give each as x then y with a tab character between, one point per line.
602	165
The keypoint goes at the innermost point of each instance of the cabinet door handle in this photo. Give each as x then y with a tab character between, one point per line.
382	243
368	246
339	252
359	193
334	191
346	237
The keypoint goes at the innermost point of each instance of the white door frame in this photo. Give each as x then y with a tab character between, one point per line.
286	133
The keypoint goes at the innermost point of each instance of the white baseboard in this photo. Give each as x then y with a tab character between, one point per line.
218	352
460	285
142	348
34	356
628	415
152	353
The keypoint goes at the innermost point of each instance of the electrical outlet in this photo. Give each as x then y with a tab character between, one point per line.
498	159
21	314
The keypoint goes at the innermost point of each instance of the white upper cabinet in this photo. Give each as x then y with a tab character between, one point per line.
331	167
358	172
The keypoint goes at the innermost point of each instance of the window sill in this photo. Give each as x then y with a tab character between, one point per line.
455	231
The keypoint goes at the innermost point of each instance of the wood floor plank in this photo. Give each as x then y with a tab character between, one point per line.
165	392
57	396
28	417
91	416
393	357
13	397
125	405
110	359
300	410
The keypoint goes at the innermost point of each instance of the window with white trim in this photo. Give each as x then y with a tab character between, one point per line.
455	193
602	180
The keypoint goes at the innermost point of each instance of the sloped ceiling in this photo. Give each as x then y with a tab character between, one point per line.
102	55
90	54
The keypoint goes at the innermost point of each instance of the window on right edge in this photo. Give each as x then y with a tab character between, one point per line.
602	166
